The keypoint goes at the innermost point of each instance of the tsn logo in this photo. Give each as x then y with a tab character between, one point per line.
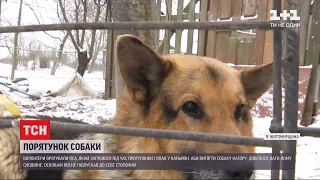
34	129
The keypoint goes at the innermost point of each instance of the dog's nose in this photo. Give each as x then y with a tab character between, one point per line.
239	174
243	170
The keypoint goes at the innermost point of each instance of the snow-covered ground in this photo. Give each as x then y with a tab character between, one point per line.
94	110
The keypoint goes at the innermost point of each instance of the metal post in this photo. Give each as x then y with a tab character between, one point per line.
277	88
291	76
108	54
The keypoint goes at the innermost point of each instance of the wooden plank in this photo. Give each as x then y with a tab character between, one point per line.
236	9
158	12
202	33
222	46
224	12
179	31
225	9
232	50
316	105
234	34
190	31
239	48
184	16
196	16
252	51
308	36
167	36
211	34
260	34
243	51
242	34
249	8
304	7
185	10
312	58
268	42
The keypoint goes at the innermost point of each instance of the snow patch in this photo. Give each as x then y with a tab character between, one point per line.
87	110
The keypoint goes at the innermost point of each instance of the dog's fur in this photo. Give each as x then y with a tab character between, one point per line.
178	92
9	154
158	89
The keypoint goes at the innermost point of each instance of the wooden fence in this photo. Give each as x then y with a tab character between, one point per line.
236	47
251	47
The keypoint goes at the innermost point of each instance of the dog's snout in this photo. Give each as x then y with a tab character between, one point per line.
243	170
239	174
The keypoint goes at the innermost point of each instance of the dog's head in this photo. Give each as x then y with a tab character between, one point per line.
186	93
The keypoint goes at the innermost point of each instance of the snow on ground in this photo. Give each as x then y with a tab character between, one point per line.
85	109
41	80
308	151
95	110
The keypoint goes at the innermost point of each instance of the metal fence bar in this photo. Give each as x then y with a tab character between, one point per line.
155	133
145	25
277	89
6	122
304	131
291	77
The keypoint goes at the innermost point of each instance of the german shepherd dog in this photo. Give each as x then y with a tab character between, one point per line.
179	92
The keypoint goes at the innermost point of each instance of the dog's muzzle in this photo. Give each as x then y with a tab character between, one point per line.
243	171
218	175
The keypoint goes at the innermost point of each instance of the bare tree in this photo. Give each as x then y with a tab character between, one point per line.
15	43
134	10
99	45
61	46
1	1
36	16
83	10
58	60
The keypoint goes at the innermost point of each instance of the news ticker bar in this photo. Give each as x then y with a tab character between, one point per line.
142	161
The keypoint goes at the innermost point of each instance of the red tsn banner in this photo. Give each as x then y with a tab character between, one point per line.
34	129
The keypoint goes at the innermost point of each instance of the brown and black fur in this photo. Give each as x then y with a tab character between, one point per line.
185	93
170	92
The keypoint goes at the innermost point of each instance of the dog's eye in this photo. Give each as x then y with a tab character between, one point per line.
239	111
192	109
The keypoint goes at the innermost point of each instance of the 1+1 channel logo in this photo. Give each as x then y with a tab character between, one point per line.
292	15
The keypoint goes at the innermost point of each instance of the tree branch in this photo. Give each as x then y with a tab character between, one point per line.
8	48
58	11
84	3
8	22
45	44
77	20
93	36
69	32
40	22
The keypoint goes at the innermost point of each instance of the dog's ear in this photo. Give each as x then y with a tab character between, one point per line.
256	81
141	68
